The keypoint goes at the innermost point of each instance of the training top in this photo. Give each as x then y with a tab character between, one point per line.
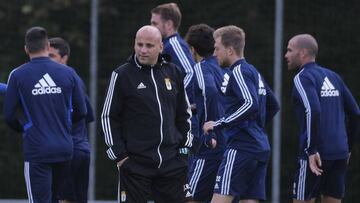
209	93
250	103
181	56
43	98
323	104
3	87
79	129
146	115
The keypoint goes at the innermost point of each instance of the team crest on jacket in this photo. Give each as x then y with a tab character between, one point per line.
123	196
168	83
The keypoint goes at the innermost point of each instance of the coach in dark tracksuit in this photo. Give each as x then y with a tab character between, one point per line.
146	119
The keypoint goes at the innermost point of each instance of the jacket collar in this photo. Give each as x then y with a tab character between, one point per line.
163	58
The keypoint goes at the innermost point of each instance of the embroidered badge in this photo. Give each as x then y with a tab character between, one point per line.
168	83
123	196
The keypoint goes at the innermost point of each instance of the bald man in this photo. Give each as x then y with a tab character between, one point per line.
145	120
328	117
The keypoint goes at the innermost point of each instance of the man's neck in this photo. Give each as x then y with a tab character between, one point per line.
236	58
38	54
310	60
171	33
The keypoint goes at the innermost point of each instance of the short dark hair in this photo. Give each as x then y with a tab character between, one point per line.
36	39
169	11
201	38
61	45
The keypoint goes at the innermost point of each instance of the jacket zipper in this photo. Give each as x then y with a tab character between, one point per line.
161	117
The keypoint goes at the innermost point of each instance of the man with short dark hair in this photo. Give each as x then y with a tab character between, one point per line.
250	104
328	117
75	189
50	98
145	120
209	91
59	50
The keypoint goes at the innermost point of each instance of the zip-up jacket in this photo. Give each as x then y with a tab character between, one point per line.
42	100
146	115
79	129
181	56
327	112
250	103
209	100
80	132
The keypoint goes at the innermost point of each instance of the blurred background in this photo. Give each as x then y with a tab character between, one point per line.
335	24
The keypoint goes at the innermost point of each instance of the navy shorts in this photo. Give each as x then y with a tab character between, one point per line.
331	183
241	175
43	180
202	178
76	184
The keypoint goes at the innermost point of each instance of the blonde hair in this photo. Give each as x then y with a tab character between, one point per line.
231	36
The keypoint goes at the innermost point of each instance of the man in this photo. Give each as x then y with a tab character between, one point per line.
145	119
42	100
210	103
249	105
328	116
167	18
76	184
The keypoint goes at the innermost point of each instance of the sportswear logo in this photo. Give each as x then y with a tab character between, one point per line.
46	85
186	187
262	90
328	89
141	86
216	186
218	178
225	83
187	190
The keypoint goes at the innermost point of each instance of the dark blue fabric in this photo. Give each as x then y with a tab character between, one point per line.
180	54
3	87
43	180
323	104
250	103
43	98
209	99
76	183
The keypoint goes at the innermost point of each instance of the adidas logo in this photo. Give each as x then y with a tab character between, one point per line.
262	90
225	83
46	85
141	86
328	89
